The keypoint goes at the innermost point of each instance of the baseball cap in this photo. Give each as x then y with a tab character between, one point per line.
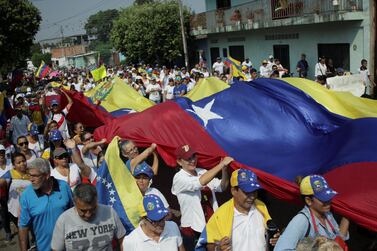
178	78
55	135
143	168
154	208
2	148
317	186
184	152
33	129
264	62
59	151
244	67
270	56
245	179
54	102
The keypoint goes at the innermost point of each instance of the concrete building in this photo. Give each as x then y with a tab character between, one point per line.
343	30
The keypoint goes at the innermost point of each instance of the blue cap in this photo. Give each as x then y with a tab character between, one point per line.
154	207
54	102
55	135
33	130
143	168
317	186
245	179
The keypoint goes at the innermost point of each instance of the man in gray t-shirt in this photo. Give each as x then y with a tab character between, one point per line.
87	226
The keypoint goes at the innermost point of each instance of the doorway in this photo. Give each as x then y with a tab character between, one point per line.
339	53
281	52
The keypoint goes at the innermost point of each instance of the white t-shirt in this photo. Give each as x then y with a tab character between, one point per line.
169	92
320	69
248	232
154	92
170	239
155	191
218	67
37	147
17	186
187	189
74	175
77	86
190	86
264	71
63	128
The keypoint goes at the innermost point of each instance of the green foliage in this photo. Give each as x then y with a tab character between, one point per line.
101	23
141	2
150	32
20	21
104	49
37	58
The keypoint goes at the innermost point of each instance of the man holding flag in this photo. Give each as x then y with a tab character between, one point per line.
239	224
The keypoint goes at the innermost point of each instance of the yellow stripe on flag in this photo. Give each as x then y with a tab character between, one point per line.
342	103
206	87
124	183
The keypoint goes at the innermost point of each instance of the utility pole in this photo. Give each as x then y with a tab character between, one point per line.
183	33
63	47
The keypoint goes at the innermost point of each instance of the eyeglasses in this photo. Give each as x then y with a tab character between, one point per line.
156	222
63	156
23	143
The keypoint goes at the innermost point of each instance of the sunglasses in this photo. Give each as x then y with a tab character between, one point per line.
63	156
23	143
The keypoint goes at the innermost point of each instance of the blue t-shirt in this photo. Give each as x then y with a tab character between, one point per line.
41	211
179	89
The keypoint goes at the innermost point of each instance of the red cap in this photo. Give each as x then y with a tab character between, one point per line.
184	152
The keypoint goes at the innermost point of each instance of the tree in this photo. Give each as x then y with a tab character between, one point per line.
101	23
37	58
141	2
150	32
104	49
20	21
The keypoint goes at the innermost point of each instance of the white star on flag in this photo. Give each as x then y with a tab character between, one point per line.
104	181
112	192
108	185
98	178
112	200
205	113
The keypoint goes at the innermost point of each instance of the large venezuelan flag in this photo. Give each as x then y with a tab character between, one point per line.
280	129
117	187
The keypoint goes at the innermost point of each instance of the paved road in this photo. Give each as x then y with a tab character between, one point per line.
12	245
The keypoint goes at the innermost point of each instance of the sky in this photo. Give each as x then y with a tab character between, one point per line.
71	15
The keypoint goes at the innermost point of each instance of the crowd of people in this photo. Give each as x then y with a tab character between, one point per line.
48	168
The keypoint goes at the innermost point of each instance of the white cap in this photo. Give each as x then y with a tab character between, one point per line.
2	148
270	56
28	89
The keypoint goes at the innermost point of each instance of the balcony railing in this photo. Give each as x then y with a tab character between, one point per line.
262	13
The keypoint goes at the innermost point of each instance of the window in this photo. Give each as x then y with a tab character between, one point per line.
223	4
215	52
237	52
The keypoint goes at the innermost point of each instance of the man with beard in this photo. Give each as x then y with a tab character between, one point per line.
41	204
